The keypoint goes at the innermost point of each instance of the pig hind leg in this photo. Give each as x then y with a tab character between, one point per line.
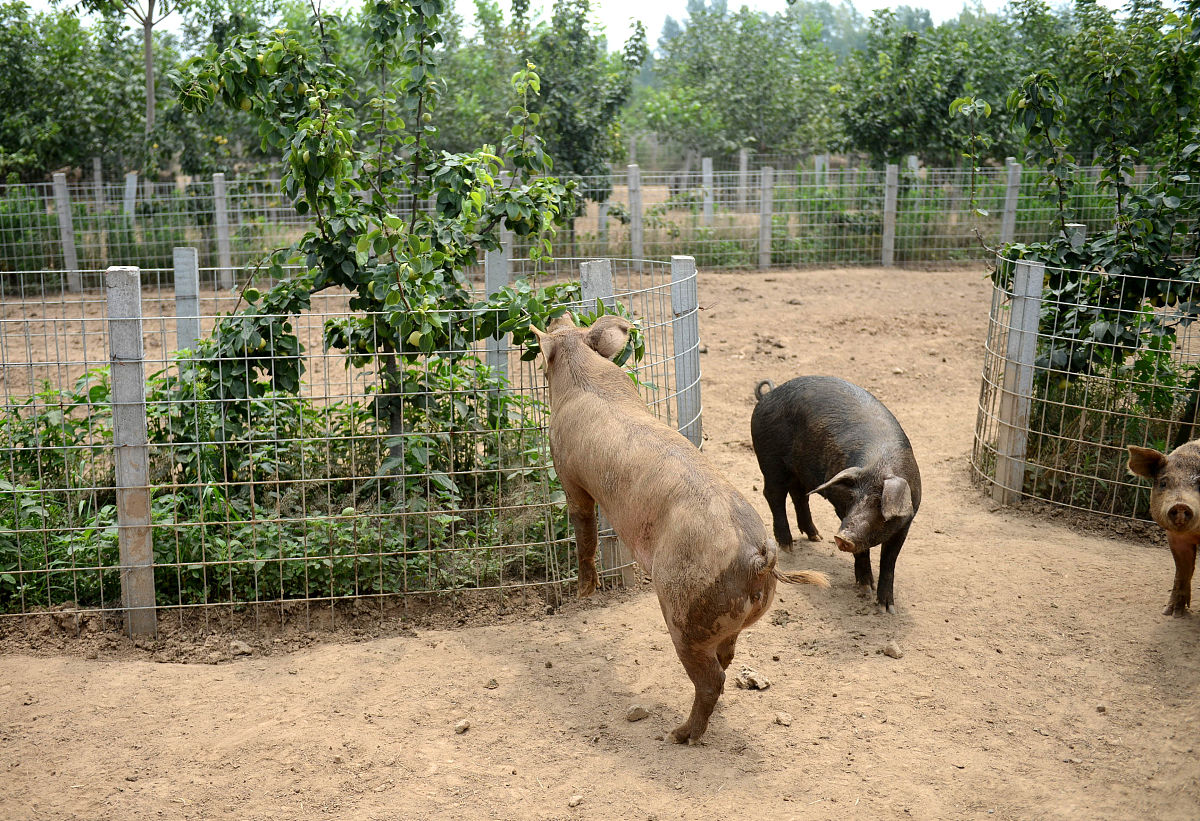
704	669
775	492
803	512
725	651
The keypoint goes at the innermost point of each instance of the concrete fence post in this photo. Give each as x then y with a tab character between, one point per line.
685	305
98	184
134	534
1012	192
1017	390
187	298
890	196
497	275
766	203
743	187
914	165
221	225
596	285
66	232
129	201
706	178
636	235
821	166
602	226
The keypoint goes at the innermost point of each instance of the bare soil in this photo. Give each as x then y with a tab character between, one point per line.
1036	677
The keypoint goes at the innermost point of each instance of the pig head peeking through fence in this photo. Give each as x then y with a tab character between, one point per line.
701	542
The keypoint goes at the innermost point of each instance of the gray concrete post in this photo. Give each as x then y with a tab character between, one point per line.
890	196
1012	191
221	225
636	235
706	179
596	283
821	165
1017	392
66	233
497	275
743	179
766	204
129	201
602	226
134	534
98	184
187	298
685	305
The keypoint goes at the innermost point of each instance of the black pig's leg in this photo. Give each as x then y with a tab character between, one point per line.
863	576
776	496
887	569
804	513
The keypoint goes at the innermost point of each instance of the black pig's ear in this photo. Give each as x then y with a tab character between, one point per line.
847	477
897	499
1146	461
608	335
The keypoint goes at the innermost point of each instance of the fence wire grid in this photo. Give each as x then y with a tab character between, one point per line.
1072	375
343	490
833	215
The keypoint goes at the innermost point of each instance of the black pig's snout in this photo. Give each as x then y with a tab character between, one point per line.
1180	515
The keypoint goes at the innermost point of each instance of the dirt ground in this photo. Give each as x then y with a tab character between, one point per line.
1037	678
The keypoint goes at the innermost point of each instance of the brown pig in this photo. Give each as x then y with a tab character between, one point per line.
1175	505
705	548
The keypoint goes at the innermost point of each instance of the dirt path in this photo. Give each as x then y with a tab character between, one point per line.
1037	680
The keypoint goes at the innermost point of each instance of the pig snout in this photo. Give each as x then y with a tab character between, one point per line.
1180	516
846	543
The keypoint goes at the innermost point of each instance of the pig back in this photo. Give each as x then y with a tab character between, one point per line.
656	489
820	425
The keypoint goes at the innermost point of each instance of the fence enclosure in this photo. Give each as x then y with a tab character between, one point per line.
131	489
1072	375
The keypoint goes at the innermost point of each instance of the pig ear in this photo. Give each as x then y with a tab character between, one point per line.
538	332
1146	461
897	499
559	322
847	477
608	335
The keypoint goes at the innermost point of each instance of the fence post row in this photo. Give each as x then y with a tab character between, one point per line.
66	232
221	224
1017	390
187	298
636	237
596	284
891	194
706	179
685	305
131	452
496	275
1012	190
766	204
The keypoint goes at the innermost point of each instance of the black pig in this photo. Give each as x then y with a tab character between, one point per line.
821	434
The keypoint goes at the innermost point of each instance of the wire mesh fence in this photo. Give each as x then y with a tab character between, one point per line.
827	214
377	478
1078	365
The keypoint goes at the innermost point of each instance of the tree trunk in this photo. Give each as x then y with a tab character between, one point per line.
148	52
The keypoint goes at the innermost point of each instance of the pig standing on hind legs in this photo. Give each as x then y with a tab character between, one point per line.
1175	505
821	434
705	548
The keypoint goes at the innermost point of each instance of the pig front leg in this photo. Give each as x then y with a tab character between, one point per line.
581	509
1183	549
863	576
887	570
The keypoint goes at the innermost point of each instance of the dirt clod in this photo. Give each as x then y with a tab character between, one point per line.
749	679
636	713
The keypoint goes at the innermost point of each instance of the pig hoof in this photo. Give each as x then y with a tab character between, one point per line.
814	536
1178	609
890	609
682	735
